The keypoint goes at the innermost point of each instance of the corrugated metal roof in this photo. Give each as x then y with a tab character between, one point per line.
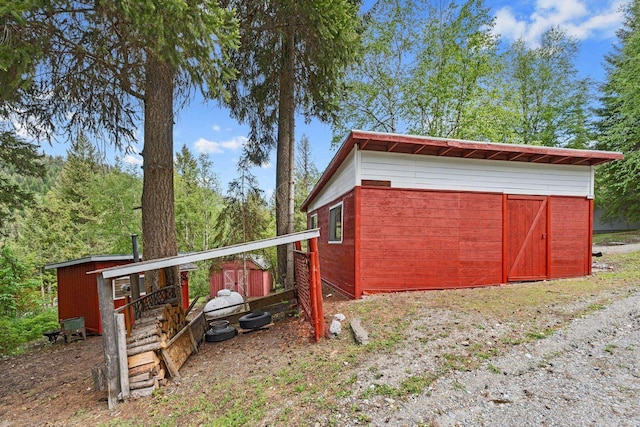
446	147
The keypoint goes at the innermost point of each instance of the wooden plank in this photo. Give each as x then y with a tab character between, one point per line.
198	327
180	349
121	334
157	345
261	328
146	368
143	341
142	359
173	370
259	303
145	376
143	392
110	348
194	345
151	382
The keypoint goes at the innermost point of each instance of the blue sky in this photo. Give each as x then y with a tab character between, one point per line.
206	128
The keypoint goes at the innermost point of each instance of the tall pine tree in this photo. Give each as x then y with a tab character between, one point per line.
619	182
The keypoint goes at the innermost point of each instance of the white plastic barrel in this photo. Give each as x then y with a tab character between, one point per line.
223	305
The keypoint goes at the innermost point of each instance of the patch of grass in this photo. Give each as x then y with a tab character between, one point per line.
454	362
416	384
493	368
364	418
382	390
622	236
595	307
458	386
539	335
289	375
609	348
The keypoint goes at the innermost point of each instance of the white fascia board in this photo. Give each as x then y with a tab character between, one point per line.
156	264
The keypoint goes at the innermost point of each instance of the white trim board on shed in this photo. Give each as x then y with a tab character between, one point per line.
155	264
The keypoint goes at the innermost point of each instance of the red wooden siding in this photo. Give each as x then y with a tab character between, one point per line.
78	293
412	240
404	239
337	259
570	219
525	229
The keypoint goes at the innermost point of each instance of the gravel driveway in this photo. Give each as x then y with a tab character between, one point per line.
585	374
617	249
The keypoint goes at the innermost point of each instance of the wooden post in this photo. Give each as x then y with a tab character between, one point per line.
105	301
122	354
134	279
316	289
128	318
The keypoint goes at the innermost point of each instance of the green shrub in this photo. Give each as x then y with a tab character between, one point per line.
16	331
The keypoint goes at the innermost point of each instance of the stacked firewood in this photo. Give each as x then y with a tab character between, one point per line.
150	334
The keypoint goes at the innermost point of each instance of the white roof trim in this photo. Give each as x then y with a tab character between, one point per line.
91	258
106	258
155	264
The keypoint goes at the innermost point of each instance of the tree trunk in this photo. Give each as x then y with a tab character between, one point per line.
284	169
158	218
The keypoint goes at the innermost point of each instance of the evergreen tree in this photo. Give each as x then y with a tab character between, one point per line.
108	61
292	56
19	291
245	216
197	202
307	175
18	159
619	124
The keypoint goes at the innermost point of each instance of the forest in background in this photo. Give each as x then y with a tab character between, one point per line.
83	206
438	71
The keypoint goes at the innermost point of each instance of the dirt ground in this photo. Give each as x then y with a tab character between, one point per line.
51	384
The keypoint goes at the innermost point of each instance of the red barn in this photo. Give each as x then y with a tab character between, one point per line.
229	275
78	292
400	212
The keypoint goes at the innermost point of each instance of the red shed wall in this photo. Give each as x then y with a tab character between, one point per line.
570	235
414	239
337	260
78	293
259	281
423	239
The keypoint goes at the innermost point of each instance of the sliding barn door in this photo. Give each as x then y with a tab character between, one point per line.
526	238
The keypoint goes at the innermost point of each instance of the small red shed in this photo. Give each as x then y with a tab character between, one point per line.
230	273
401	212
78	293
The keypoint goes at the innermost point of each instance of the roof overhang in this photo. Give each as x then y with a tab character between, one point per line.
108	258
445	147
90	258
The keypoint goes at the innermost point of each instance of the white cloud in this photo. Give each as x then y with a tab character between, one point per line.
132	159
213	147
581	19
266	165
216	128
